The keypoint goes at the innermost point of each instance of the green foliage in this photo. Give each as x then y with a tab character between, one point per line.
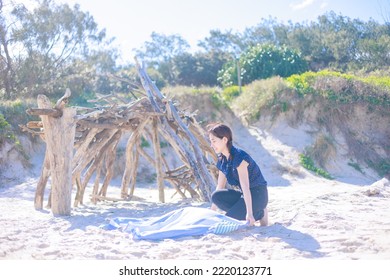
5	130
164	144
15	112
57	47
82	100
7	134
382	167
144	143
322	149
342	88
229	93
199	69
162	48
196	97
261	62
156	77
356	166
270	95
308	163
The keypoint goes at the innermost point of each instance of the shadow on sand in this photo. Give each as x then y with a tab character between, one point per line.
298	240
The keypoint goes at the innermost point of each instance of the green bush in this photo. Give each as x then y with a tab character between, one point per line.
342	88
229	93
382	167
270	94
82	100
261	62
195	97
356	167
15	112
6	134
144	143
5	130
308	163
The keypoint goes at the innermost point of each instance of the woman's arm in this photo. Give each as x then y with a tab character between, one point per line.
221	184
244	182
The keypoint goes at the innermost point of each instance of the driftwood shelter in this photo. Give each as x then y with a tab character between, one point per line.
82	142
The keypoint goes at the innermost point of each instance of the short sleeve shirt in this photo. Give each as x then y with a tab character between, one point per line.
229	168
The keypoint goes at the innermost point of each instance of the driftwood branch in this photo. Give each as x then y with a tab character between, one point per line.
55	113
98	131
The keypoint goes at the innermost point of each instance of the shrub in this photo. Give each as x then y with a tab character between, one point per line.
229	93
271	94
5	131
262	62
342	88
322	150
308	163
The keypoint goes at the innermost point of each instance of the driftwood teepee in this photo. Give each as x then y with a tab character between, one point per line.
81	143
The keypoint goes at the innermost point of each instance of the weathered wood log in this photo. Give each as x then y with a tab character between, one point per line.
158	166
207	182
110	159
35	124
203	178
91	151
129	159
31	131
82	149
59	135
97	180
135	166
94	148
40	190
110	145
51	112
60	104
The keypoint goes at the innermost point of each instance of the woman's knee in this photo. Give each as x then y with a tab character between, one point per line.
217	196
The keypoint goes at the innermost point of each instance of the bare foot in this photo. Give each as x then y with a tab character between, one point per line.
264	220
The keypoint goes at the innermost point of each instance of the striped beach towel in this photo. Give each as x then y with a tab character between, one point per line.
188	221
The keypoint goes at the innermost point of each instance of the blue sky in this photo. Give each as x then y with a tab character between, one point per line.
132	21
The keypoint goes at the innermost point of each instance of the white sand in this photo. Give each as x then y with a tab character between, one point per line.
310	217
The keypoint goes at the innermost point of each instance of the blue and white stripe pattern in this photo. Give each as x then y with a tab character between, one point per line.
188	221
226	227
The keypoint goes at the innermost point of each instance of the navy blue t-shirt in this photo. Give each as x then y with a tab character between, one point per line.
229	168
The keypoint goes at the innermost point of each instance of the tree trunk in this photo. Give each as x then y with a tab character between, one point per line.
59	135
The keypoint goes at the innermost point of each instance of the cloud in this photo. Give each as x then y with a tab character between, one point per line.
324	5
302	5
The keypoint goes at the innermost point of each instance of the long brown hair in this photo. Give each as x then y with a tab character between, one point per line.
221	130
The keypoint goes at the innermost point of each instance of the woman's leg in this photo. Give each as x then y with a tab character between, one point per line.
225	199
259	202
233	203
230	201
264	220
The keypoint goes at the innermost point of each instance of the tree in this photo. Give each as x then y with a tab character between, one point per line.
263	61
160	51
6	67
50	37
198	69
219	42
268	31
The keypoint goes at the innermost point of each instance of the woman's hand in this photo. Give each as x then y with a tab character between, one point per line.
250	219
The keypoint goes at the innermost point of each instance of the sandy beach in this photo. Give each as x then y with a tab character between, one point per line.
309	217
311	221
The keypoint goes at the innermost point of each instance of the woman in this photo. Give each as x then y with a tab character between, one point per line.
237	168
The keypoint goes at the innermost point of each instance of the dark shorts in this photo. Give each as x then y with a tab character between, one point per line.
232	202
